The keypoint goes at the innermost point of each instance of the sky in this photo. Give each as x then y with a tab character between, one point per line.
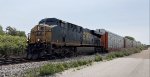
123	17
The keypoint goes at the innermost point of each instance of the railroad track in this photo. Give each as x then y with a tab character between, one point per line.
7	61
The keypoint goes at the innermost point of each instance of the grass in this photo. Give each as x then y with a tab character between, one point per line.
98	58
123	52
12	45
51	69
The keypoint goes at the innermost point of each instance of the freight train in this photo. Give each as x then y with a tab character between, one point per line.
53	37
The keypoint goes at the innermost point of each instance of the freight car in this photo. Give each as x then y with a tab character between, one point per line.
128	43
110	41
56	38
53	37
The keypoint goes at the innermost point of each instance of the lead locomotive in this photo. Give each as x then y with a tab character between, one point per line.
55	38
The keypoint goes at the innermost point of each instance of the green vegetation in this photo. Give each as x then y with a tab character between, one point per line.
124	52
51	69
1	30
129	37
12	31
98	58
12	44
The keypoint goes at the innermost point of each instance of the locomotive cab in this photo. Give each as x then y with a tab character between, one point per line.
40	34
38	39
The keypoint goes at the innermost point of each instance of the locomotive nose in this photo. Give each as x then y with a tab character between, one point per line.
40	34
43	34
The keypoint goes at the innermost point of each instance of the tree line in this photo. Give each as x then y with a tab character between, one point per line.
12	31
12	42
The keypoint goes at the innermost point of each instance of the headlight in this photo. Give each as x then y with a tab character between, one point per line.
27	41
38	40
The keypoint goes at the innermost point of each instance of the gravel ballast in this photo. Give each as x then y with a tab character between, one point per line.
19	70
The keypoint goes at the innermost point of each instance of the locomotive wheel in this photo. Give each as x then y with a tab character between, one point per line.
65	52
29	56
41	54
57	53
70	52
73	52
35	56
51	57
62	54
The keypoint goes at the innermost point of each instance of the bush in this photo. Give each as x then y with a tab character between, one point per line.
66	65
109	57
124	52
51	69
48	69
98	58
59	67
74	64
10	45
